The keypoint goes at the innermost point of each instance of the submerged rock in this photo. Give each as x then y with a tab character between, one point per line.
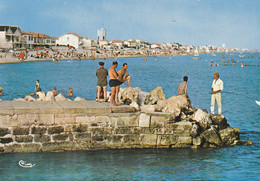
60	97
173	105
240	142
50	96
154	96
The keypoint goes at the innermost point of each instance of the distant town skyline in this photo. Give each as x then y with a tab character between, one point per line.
192	22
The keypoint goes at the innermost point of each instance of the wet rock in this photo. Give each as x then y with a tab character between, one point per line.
173	105
182	128
197	141
154	96
50	96
128	95
202	118
79	99
194	130
240	142
220	121
229	135
211	136
29	98
60	97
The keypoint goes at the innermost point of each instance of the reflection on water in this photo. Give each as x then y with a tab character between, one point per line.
241	89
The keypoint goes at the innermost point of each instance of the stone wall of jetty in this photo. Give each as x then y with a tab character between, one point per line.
150	122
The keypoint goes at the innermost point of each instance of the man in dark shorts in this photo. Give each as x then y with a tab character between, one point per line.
114	83
102	80
123	75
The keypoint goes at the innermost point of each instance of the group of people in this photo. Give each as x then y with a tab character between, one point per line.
41	94
115	80
216	88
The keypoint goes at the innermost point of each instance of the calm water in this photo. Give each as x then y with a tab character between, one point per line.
241	89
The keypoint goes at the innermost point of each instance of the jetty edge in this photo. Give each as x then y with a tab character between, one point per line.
148	120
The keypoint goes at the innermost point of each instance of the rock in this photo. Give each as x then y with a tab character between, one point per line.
197	141
50	96
229	135
220	121
173	105
194	130
128	95
79	99
141	97
29	98
182	128
135	105
154	96
202	118
240	142
211	136
60	97
148	108
19	99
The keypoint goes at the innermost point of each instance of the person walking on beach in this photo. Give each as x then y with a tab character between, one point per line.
102	74
123	75
216	88
114	83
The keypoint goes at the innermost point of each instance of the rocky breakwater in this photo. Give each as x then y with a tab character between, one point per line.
152	121
187	126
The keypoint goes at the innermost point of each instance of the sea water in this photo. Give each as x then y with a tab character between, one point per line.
241	89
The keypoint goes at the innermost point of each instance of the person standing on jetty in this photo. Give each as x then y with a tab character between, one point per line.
114	83
183	88
102	74
216	88
123	75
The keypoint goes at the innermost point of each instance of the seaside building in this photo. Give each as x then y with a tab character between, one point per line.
101	34
130	43
35	40
71	39
10	37
117	43
88	43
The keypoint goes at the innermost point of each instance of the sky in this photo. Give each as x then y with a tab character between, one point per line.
189	22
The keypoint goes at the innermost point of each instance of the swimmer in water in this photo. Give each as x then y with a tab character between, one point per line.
1	91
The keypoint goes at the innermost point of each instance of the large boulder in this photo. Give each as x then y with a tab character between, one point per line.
211	135
60	97
128	95
50	96
202	118
220	120
154	96
195	130
29	98
173	105
229	135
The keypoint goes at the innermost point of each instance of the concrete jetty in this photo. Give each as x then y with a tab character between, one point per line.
84	125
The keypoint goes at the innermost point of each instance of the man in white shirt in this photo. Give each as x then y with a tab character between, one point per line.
216	88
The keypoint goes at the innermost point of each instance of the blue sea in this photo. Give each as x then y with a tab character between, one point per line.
241	90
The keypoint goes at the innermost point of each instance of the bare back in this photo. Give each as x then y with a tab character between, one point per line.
112	73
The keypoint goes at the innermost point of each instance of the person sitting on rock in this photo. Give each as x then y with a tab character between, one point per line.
70	93
123	75
40	94
55	91
183	88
